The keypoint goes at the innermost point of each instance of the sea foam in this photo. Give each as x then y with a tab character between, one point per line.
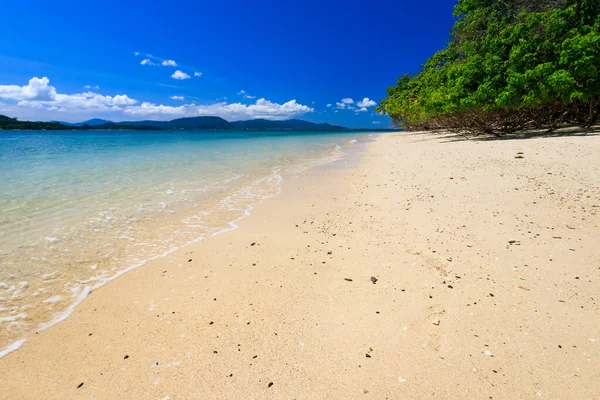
190	223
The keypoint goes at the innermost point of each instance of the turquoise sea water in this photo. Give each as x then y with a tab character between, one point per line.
78	209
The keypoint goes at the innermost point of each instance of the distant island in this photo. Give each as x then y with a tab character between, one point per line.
191	123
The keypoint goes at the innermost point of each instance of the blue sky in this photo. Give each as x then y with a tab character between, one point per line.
75	60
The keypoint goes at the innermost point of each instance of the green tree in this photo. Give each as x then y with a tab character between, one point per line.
510	64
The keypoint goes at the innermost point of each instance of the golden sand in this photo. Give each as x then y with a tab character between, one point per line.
426	268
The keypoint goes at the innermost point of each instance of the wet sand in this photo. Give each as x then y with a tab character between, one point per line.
426	267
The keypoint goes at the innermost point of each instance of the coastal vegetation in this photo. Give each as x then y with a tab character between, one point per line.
7	123
510	65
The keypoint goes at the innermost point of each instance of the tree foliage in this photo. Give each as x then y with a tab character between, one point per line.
509	65
7	123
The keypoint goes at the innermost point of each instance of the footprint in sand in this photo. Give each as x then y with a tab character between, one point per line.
430	325
430	261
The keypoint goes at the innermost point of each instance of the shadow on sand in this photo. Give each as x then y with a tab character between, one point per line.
447	137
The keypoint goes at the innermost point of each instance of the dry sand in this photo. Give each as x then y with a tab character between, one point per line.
487	272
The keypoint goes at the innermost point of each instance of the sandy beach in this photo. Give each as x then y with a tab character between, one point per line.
423	266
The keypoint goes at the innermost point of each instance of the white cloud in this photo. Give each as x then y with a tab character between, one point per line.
97	87
262	108
36	90
149	109
366	102
87	87
245	95
30	104
137	53
345	103
362	109
92	100
59	109
38	99
376	122
329	105
38	93
180	75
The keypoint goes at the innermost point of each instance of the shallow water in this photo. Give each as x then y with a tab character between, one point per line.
78	209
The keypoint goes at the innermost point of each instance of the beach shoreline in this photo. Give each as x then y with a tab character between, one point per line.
421	266
68	238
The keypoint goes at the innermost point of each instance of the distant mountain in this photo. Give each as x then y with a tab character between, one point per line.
217	123
191	123
185	123
94	122
89	122
7	123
